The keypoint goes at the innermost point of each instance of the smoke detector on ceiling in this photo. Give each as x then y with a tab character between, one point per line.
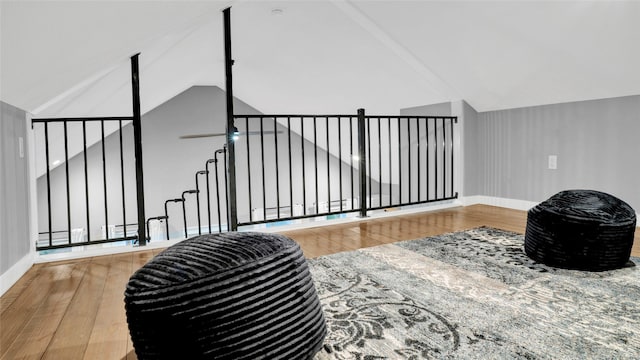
277	12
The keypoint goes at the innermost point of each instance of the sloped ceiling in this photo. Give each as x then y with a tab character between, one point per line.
71	58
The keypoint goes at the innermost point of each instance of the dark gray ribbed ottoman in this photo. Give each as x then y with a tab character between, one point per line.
581	229
225	296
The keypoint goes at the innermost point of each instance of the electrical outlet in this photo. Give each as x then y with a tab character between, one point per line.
553	162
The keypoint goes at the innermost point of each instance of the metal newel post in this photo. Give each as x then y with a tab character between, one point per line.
231	153
137	137
362	166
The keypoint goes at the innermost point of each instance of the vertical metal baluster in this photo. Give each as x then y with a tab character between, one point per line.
124	204
290	172
390	166
328	168
226	191
66	170
184	207
166	212
230	171
399	163
351	159
427	157
166	215
201	172
435	145
340	161
369	170
46	150
379	162
444	159
452	147
246	121
315	159
363	162
264	188
137	139
206	167
418	154
104	181
184	214
86	176
247	138
275	138
215	158
409	159
304	165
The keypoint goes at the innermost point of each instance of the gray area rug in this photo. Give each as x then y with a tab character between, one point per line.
473	294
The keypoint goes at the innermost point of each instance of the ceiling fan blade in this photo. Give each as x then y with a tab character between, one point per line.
195	136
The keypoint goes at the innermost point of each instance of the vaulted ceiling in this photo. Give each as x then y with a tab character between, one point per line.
331	56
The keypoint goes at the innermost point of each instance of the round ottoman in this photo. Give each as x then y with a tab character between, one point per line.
581	229
225	296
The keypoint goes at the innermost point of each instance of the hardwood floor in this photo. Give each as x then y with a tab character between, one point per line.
75	309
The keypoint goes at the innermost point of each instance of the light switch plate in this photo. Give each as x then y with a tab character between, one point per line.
553	162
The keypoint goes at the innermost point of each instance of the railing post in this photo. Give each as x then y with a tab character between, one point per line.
231	153
362	167
137	138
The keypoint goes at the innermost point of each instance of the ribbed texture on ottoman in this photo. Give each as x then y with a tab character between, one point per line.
581	229
226	296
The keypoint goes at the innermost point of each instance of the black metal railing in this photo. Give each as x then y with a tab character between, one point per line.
418	155
300	162
86	186
73	146
291	167
355	162
288	167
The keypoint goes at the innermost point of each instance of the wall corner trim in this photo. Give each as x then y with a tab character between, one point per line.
14	273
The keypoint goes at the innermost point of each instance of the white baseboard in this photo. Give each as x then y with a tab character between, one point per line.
11	276
501	202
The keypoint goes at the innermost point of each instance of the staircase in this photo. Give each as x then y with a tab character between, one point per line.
197	192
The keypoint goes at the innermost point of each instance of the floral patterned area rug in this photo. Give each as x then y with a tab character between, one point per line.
473	295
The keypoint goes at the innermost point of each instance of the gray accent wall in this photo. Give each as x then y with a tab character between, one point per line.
596	144
14	188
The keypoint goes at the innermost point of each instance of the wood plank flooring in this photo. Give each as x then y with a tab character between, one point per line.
75	309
